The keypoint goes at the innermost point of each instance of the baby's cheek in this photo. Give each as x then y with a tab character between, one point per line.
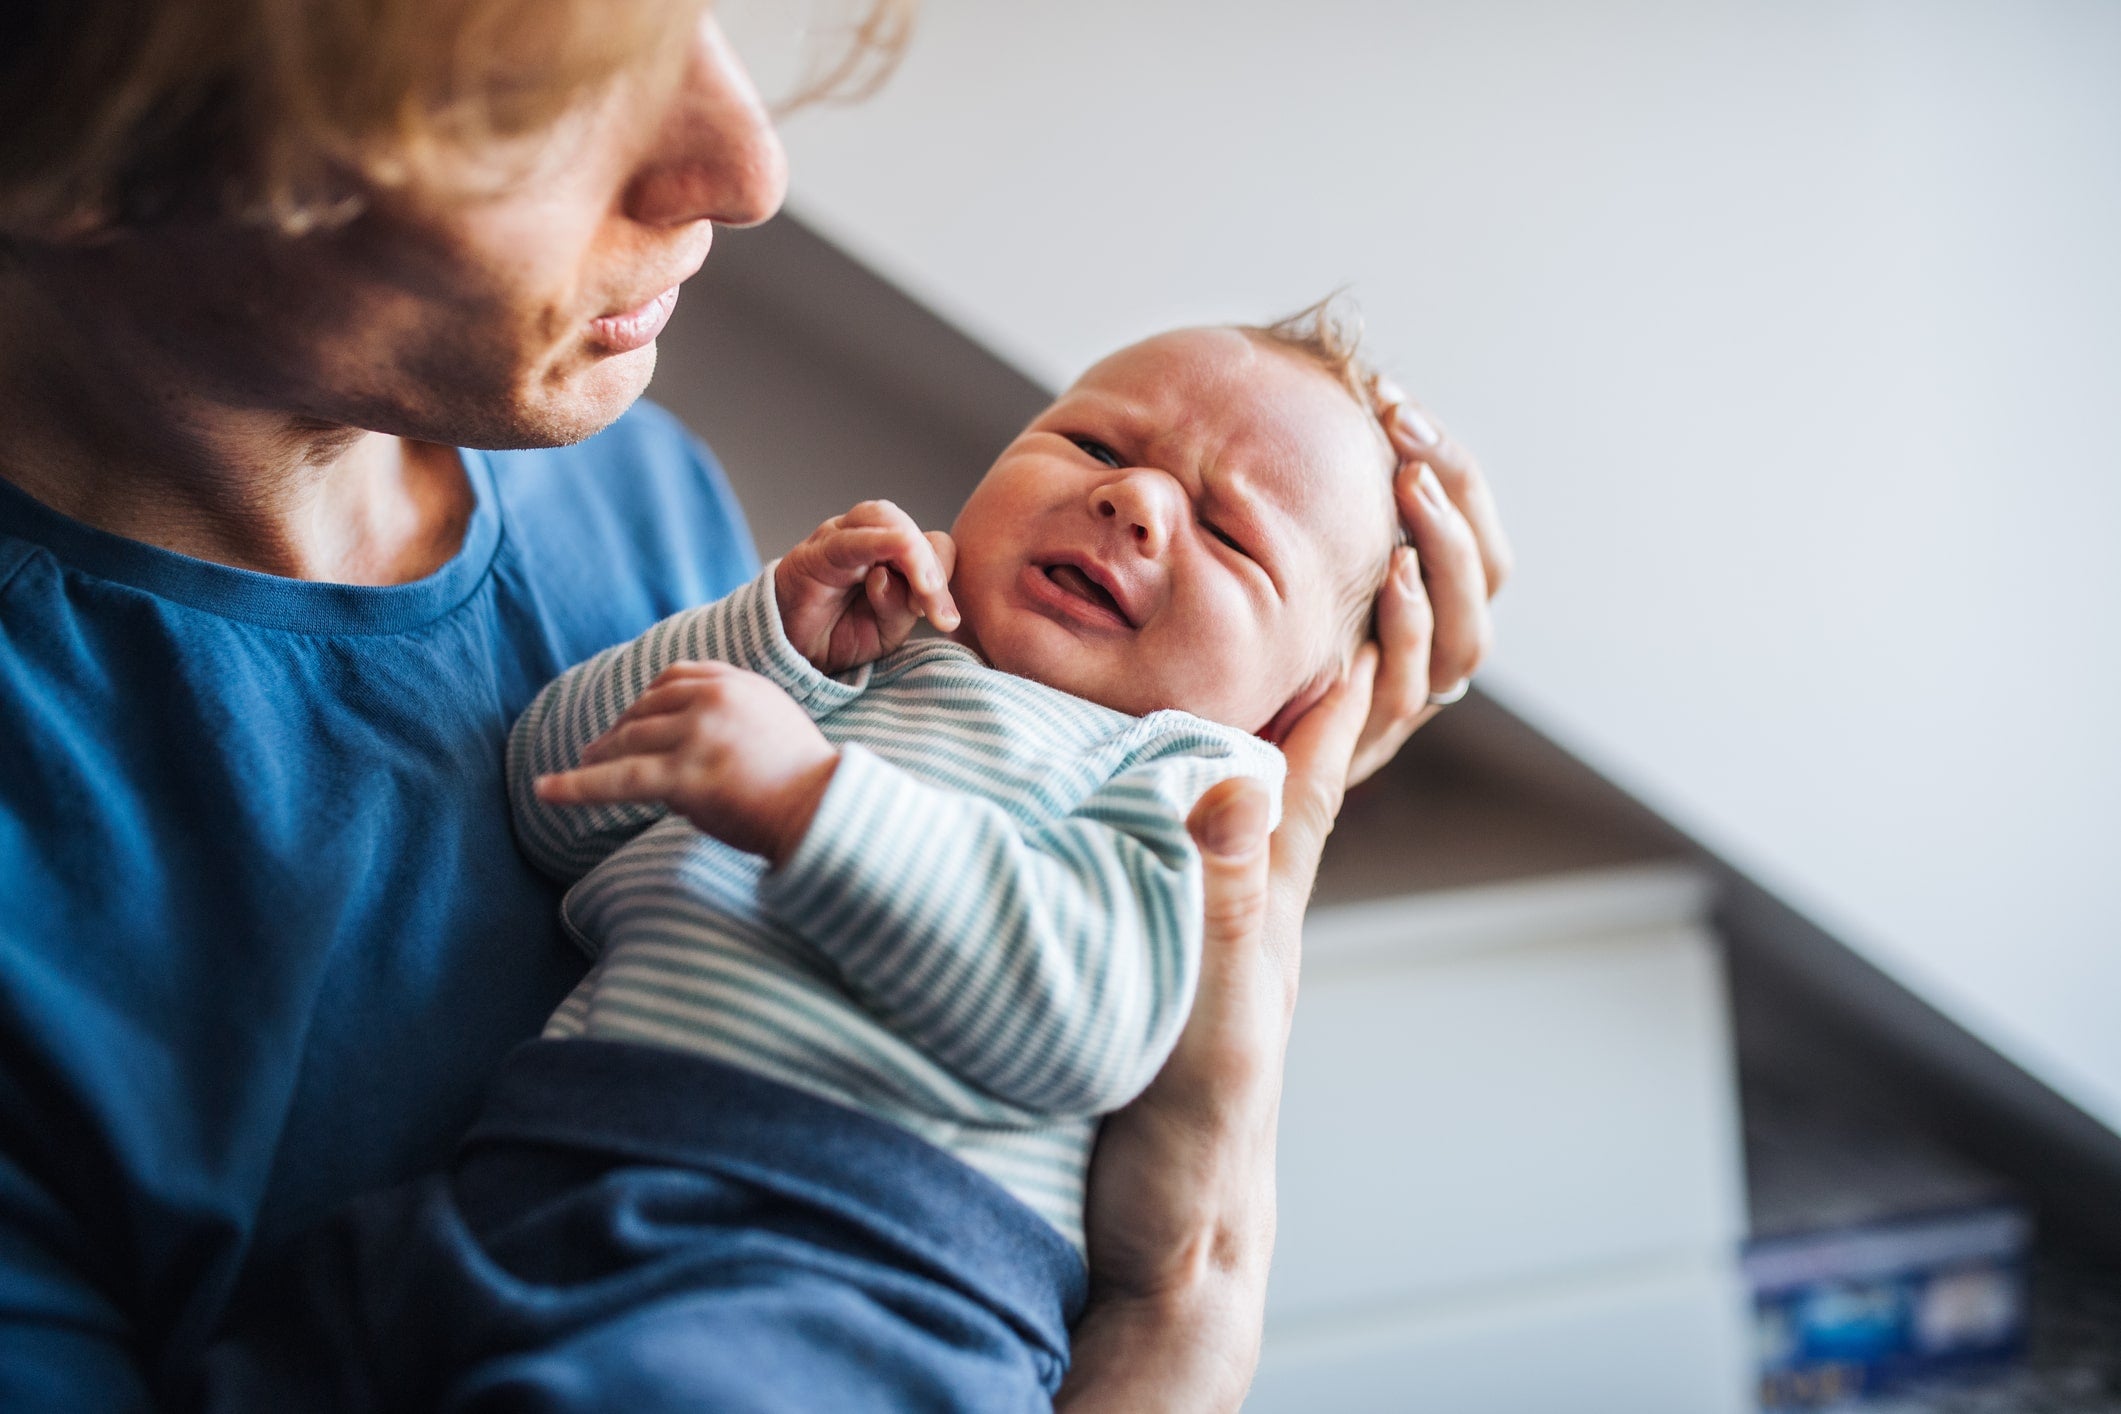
1226	680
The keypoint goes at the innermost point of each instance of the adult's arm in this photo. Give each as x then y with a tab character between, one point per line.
1181	1206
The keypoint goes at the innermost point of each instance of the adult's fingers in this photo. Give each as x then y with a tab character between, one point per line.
1233	1038
1319	749
1229	824
1453	574
1254	887
1418	437
1405	628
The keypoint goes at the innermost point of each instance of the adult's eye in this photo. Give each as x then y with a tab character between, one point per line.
1098	450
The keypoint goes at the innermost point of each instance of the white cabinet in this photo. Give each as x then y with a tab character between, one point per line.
1509	1157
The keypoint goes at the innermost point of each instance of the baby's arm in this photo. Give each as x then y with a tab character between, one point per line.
852	591
845	596
732	751
587	700
1052	965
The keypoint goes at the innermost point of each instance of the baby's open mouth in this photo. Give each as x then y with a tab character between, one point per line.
1075	582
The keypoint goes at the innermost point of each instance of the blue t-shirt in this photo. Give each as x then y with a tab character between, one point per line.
264	932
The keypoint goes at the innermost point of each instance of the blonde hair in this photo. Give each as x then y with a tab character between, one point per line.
121	113
1329	334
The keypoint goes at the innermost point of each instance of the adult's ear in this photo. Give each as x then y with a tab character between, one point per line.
1283	722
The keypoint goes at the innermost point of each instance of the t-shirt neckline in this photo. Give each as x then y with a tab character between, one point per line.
302	606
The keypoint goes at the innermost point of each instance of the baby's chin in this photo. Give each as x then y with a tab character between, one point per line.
1120	688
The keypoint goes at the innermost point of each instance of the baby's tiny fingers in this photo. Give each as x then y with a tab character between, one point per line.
890	534
945	551
628	779
686	674
939	558
657	733
875	513
672	696
889	600
851	554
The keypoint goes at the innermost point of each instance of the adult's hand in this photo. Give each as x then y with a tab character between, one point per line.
1432	614
1181	1207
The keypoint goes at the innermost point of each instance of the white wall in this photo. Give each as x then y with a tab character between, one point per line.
1790	333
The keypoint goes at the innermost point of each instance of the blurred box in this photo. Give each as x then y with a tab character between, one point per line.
1880	1258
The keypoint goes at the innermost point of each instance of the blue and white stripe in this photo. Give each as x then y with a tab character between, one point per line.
990	935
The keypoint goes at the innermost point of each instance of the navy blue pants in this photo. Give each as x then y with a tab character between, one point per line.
639	1230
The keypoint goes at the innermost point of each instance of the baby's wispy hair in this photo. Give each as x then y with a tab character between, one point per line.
1329	333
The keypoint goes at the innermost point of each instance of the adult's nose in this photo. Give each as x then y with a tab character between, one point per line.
714	156
1144	503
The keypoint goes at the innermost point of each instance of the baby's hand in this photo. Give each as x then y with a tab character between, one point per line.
725	748
851	592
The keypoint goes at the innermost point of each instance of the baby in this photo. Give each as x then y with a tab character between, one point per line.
883	927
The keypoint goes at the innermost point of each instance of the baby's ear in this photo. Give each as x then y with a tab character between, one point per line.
1283	722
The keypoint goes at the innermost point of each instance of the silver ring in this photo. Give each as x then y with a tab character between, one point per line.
1451	694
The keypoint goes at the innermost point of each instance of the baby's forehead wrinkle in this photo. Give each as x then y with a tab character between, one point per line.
1216	403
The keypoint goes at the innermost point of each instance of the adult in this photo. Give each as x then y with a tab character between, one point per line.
270	272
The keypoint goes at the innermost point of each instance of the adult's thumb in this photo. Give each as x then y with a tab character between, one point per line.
1230	821
1230	826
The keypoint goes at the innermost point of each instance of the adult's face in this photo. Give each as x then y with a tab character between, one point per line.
464	314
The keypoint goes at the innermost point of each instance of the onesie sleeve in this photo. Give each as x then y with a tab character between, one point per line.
581	704
1052	964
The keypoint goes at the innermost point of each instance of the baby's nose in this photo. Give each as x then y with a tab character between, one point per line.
1141	504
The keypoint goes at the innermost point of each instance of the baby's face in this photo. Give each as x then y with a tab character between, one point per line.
1181	529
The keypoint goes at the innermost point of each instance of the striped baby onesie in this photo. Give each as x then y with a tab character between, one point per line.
990	935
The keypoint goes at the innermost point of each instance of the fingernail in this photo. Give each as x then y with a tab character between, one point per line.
1407	567
1236	828
1388	393
948	618
1417	426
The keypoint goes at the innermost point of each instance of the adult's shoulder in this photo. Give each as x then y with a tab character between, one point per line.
644	495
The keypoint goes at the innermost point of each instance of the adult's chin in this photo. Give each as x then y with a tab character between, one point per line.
606	389
564	406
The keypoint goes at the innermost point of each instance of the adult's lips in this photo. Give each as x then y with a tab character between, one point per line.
634	328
